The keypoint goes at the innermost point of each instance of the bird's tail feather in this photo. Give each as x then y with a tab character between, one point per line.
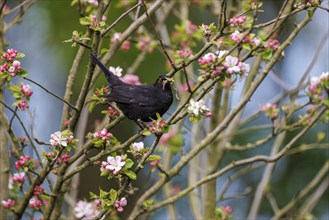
111	78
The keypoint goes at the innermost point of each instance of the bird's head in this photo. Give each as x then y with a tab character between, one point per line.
163	82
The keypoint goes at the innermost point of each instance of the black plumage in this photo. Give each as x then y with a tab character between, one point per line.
138	102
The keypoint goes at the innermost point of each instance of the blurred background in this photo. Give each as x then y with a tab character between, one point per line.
48	23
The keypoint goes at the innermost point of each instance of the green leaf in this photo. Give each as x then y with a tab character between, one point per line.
103	193
93	195
130	174
85	21
20	56
154	157
310	13
146	133
113	194
92	106
15	88
22	73
267	55
129	163
104	50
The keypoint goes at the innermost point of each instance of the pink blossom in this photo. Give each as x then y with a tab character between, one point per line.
272	43
58	139
6	204
10	55
4	67
271	110
35	203
18	178
65	158
154	163
116	36
227	209
145	44
231	63
207	58
38	190
125	45
119	204
117	71
112	111
131	79
237	36
137	146
103	134
184	54
114	164
22	162
238	20
166	137
26	90
23	105
85	210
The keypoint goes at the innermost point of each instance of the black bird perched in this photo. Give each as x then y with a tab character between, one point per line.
138	102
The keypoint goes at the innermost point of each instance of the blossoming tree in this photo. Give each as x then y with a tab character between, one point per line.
191	152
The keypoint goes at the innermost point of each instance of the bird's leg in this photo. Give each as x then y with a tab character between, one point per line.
141	124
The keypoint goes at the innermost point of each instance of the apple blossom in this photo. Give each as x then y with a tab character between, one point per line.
113	164
85	210
271	110
117	71
58	138
197	108
137	146
119	204
6	204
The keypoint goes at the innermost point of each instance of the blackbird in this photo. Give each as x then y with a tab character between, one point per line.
138	102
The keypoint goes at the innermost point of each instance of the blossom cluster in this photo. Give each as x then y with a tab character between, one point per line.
318	85
16	180
125	45
113	164
146	44
92	22
23	163
63	138
35	203
86	210
22	95
183	55
119	204
272	43
6	204
102	134
11	67
64	158
271	110
38	190
197	110
222	64
158	127
224	212
238	20
112	112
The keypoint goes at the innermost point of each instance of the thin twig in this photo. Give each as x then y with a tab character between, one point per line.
51	93
119	18
158	36
24	128
2	6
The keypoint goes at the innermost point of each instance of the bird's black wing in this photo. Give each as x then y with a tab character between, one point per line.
139	95
111	78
